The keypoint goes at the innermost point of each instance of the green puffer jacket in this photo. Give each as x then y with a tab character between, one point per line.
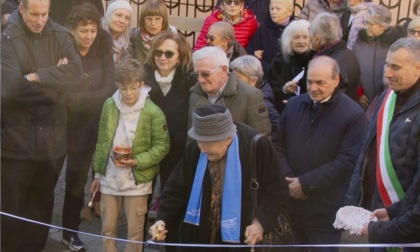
150	146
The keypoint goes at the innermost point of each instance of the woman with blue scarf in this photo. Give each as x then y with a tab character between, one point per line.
209	188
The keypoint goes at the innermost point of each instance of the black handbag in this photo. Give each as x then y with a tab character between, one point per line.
282	233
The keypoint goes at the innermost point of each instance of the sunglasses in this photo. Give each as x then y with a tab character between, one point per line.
210	38
168	54
206	74
236	2
414	32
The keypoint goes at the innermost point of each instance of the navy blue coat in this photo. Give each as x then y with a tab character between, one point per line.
267	38
404	147
320	149
273	114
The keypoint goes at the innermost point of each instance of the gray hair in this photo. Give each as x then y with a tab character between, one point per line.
325	60
327	27
300	25
248	65
216	54
379	15
224	30
410	44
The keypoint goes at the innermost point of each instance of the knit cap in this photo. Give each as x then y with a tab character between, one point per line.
414	23
119	4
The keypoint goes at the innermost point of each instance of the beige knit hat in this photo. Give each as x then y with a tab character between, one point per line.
414	23
119	4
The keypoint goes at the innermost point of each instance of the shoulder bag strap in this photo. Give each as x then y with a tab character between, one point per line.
254	182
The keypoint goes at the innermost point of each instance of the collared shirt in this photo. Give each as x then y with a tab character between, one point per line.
213	99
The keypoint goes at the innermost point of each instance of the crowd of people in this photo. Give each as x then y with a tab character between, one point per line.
334	92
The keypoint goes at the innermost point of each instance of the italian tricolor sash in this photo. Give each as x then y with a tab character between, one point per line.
389	186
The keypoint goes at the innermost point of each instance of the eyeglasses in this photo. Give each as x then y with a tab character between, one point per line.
168	54
153	19
206	74
414	32
210	38
235	2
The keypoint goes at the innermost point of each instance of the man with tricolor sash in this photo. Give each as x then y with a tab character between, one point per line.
387	174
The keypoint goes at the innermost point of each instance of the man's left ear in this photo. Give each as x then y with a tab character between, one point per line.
141	84
225	68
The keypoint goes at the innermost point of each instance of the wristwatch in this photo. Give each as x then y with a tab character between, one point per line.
26	77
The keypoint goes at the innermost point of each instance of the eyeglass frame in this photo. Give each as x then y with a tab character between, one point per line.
206	74
168	54
210	37
234	2
414	32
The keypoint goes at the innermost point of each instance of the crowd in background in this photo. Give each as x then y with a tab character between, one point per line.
77	82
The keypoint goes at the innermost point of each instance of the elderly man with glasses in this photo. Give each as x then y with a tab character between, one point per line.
217	85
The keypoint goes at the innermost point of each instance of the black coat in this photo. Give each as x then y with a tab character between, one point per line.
349	65
272	193
281	72
85	101
175	107
33	118
404	146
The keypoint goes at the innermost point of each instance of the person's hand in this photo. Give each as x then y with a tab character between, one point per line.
295	189
254	233
259	54
158	231
128	162
125	163
96	185
33	77
63	61
290	87
365	231
364	102
381	214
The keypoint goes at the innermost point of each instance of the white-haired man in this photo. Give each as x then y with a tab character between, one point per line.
217	85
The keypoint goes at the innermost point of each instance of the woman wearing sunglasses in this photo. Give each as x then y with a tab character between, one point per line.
232	11
221	34
153	19
168	67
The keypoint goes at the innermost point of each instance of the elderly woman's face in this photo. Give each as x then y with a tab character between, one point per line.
279	12
166	57
300	42
373	29
119	21
84	36
153	24
214	39
414	32
232	8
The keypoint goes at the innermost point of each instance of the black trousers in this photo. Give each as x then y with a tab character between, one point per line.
27	190
77	169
